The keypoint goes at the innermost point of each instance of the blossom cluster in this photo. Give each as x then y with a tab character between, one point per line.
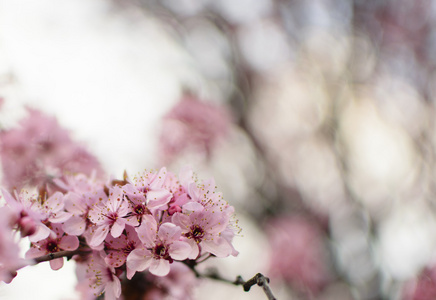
38	149
117	228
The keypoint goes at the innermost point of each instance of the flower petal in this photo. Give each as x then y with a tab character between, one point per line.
168	232
218	247
157	198
139	259
57	263
180	250
75	225
147	231
98	235
118	227
69	242
159	267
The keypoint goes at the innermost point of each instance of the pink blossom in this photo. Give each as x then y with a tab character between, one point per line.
192	126
161	246
421	288
9	250
53	209
298	254
179	284
110	214
57	241
38	150
118	249
151	185
101	278
78	207
178	190
28	214
203	230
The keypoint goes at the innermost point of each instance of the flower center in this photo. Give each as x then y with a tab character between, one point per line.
129	247
197	233
139	209
52	246
161	252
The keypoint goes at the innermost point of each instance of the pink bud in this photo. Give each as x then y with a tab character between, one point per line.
173	209
27	226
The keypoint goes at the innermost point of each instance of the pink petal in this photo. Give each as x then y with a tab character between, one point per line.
134	195
194	249
74	226
180	250
35	252
182	220
113	290
60	217
115	198
192	206
118	227
98	235
185	175
115	258
168	232
159	267
10	200
159	179
130	273
41	233
69	242
157	198
74	203
55	202
139	259
147	231
218	247
57	263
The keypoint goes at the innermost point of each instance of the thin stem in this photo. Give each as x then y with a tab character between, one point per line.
59	254
258	279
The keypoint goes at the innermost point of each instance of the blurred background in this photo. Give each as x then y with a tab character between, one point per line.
316	118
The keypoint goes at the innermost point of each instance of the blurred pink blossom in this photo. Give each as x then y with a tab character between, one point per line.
177	285
9	250
423	287
298	255
192	126
40	149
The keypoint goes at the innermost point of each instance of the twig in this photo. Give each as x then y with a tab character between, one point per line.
59	254
262	281
258	279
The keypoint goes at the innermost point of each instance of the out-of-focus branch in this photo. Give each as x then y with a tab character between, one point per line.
259	279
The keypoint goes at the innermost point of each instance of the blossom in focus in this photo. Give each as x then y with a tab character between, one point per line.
161	246
110	214
56	241
192	125
118	249
298	254
149	186
38	150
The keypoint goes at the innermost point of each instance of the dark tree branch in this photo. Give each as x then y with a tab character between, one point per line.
54	255
258	279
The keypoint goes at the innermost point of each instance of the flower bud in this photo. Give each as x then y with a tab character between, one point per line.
27	226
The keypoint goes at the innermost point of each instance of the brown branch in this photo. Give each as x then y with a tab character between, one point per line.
59	254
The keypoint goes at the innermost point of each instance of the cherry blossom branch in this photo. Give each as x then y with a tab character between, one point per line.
68	254
258	279
59	254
